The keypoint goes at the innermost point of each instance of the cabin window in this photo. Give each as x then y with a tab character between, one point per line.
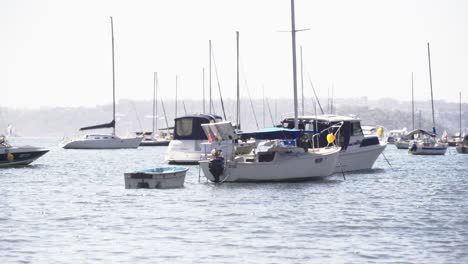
357	130
184	126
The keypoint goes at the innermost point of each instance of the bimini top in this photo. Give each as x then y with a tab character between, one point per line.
189	127
328	117
419	131
272	133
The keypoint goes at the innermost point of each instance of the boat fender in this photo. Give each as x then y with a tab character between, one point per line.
216	167
10	157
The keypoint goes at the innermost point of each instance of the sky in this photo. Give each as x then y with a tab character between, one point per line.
58	52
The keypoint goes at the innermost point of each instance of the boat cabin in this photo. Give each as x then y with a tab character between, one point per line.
350	133
189	127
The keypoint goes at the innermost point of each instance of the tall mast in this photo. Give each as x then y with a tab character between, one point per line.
155	103
412	98
430	81
238	90
293	33
203	70
211	104
176	96
113	78
302	83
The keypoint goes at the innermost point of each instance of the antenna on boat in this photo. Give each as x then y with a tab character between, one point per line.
412	98
113	77
430	82
238	119
302	83
155	103
211	103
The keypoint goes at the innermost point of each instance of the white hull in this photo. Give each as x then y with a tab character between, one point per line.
156	181
284	167
402	144
189	151
359	158
113	143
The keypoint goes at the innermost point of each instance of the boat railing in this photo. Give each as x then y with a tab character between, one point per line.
315	137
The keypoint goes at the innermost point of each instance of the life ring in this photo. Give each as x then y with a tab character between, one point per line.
10	157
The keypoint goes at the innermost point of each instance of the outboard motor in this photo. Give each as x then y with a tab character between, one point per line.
216	167
414	147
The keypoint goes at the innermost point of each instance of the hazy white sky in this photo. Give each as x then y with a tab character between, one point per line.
58	53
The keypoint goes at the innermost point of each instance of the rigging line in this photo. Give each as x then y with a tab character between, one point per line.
165	116
136	114
217	79
271	115
185	109
248	93
315	94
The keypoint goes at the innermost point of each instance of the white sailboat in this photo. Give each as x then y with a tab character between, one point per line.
428	145
104	141
273	160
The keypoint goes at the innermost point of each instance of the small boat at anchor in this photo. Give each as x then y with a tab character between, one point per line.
156	178
462	147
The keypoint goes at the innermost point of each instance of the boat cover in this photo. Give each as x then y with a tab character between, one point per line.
108	125
272	133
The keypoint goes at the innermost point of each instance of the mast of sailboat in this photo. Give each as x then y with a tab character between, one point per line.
165	116
293	34
211	104
155	103
460	118
302	83
176	77
238	89
203	70
113	78
430	82
412	98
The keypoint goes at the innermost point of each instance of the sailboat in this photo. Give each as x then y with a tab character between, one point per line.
458	137
404	139
104	141
428	144
278	157
151	139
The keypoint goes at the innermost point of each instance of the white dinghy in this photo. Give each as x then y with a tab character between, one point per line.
156	178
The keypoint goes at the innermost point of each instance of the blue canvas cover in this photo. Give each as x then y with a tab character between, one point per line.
272	133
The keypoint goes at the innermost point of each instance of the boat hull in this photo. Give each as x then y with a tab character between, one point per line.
190	151
161	143
285	167
462	149
166	180
429	150
119	143
402	144
360	158
17	156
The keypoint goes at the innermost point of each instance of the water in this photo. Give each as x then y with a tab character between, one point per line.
70	206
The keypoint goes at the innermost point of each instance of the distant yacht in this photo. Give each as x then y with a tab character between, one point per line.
428	145
18	156
104	141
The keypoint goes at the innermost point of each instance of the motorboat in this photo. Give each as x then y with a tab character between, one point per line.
462	147
394	135
150	141
280	156
186	146
358	151
425	143
156	178
18	155
455	139
103	141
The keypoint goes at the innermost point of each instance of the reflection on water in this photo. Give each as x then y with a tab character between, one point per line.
71	206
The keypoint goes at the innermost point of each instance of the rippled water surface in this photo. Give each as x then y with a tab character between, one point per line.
71	206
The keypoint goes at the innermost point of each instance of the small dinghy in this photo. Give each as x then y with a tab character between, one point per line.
157	178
